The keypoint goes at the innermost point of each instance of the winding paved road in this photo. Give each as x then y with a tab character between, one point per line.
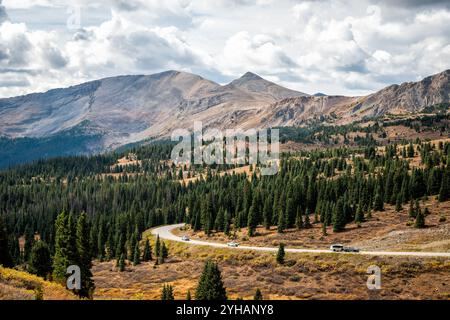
165	232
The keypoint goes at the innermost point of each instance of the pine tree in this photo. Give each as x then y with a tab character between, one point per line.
281	221
147	251
5	256
188	295
226	223
299	220
420	220
267	214
157	247
398	204
206	214
73	251
359	217
324	229
210	285
29	242
163	253
219	223
167	292
307	224
444	191
64	254
137	255
40	260
369	213
121	263
339	218
410	150
258	295
251	224
85	257
378	204
411	210
281	254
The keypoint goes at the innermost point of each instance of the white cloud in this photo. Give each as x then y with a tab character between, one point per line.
336	47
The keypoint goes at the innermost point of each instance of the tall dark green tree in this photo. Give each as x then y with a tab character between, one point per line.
137	255
444	191
147	251
157	247
5	256
258	295
64	249
281	221
339	218
251	224
420	220
85	257
40	260
121	263
281	254
210	285
167	292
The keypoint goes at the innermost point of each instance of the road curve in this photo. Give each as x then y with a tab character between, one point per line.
165	232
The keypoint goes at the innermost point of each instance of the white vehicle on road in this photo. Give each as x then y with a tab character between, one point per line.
233	244
337	247
185	238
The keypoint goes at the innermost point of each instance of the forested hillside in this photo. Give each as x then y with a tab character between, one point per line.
123	194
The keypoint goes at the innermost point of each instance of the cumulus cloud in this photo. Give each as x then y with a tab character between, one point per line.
3	15
336	47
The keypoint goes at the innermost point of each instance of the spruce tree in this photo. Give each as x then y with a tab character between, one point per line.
251	224
29	242
281	254
411	210
40	260
163	253
378	204
267	214
167	292
137	255
420	220
226	223
444	191
188	295
258	295
121	263
281	221
307	223
219	223
84	256
210	285
324	229
157	247
398	204
63	256
299	220
147	251
5	256
339	218
359	216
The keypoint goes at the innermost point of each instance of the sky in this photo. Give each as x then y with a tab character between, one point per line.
334	47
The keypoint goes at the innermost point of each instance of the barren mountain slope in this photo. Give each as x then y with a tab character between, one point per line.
107	113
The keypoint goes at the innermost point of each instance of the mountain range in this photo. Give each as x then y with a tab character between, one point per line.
105	114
